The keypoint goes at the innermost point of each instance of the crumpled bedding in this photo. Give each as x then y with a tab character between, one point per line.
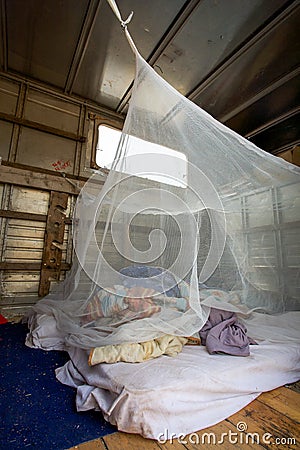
130	303
136	302
45	334
224	333
191	391
136	353
139	298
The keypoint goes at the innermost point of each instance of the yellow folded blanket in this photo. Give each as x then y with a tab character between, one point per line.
139	352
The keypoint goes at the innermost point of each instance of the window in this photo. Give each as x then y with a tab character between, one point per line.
107	145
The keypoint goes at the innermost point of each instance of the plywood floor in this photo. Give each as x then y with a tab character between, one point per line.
270	422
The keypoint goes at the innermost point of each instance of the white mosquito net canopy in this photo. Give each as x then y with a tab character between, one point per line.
191	216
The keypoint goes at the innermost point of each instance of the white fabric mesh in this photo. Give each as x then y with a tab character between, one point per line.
213	225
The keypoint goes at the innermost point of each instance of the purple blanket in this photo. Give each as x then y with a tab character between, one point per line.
223	333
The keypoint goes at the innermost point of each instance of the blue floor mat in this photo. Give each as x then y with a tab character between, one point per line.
36	411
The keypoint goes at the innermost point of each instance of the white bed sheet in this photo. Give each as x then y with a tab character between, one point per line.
183	394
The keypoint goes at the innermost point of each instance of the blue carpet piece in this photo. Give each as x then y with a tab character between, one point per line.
36	411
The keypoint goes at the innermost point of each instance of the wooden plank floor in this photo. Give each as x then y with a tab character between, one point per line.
270	422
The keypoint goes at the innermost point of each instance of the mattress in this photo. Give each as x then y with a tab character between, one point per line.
172	396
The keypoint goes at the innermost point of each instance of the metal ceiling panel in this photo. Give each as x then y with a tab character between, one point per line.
42	37
213	32
108	65
280	136
238	59
272	55
271	108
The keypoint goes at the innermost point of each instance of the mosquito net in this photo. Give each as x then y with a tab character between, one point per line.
191	216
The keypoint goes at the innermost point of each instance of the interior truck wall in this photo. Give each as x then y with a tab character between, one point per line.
46	144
